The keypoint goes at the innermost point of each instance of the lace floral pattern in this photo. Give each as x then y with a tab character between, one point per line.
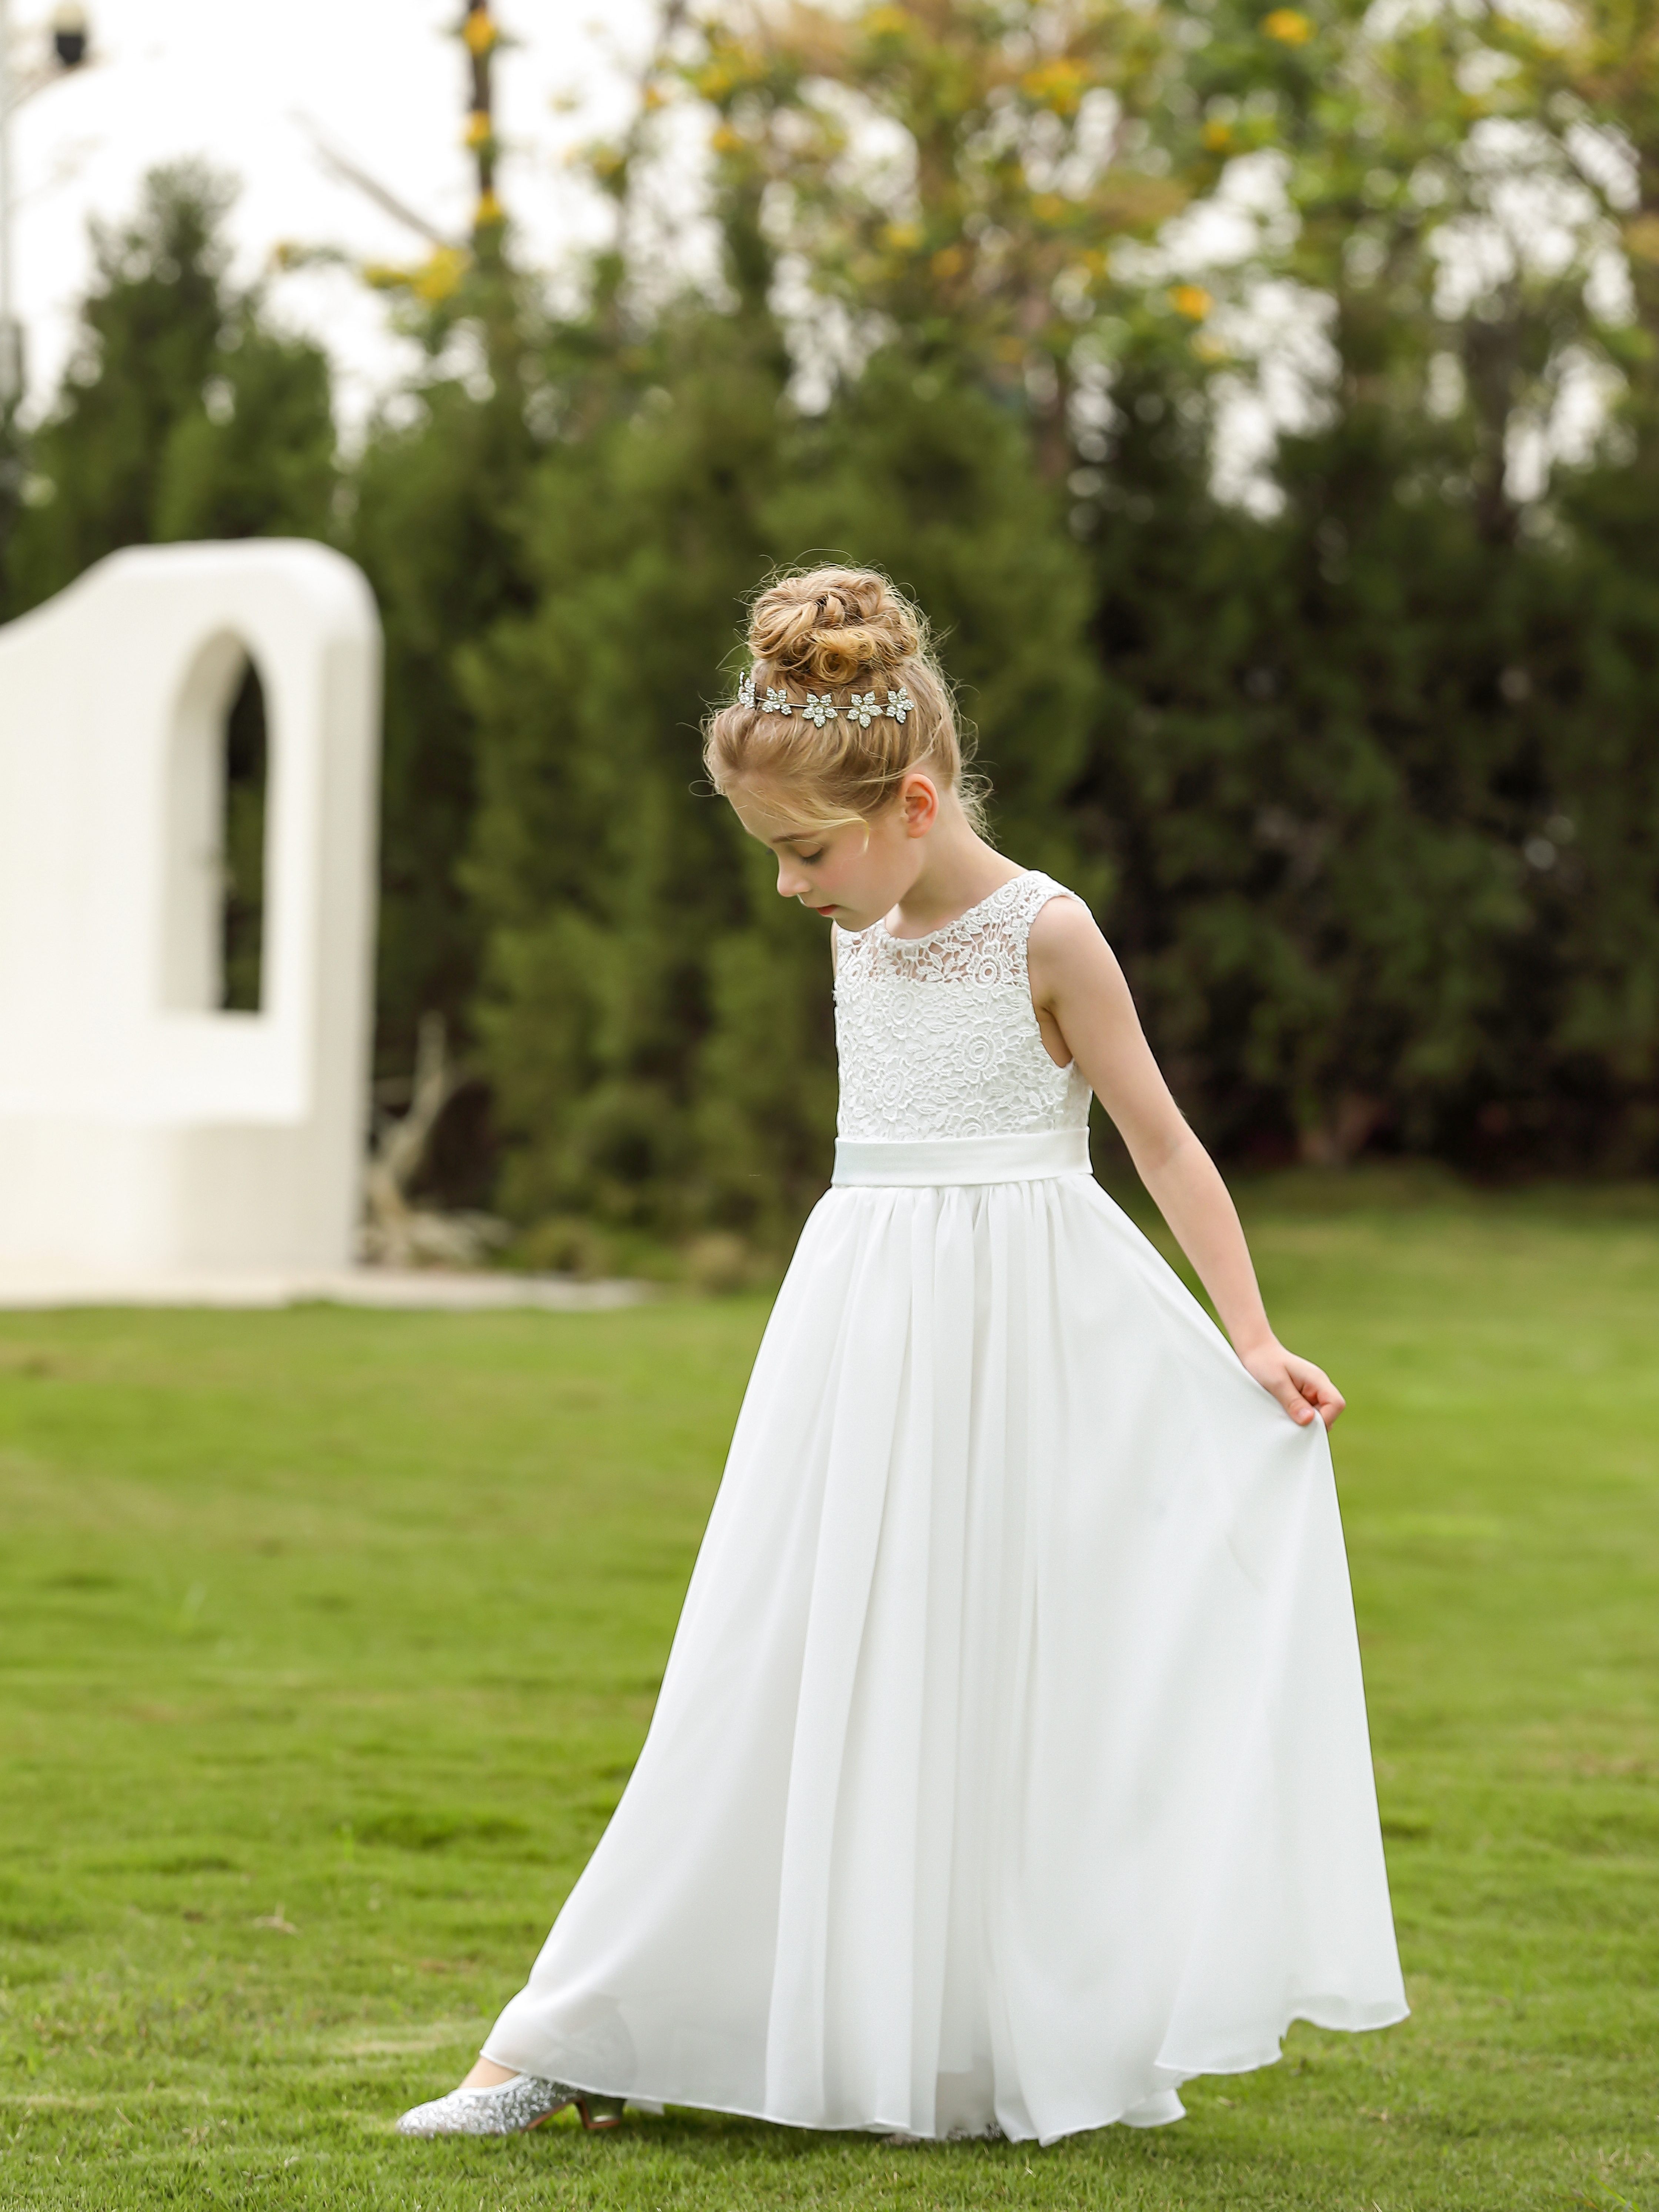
937	1034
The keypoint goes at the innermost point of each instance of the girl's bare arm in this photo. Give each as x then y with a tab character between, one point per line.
1086	1013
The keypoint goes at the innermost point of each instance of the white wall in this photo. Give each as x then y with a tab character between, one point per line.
142	1130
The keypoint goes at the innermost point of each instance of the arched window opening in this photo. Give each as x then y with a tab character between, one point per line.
213	934
242	870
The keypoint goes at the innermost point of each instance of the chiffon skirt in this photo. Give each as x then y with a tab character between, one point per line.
1011	1763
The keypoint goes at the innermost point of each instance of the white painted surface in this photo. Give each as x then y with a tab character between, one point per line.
143	1131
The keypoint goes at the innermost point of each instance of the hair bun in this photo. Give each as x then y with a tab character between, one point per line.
832	627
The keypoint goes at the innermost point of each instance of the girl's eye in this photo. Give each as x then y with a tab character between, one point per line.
807	858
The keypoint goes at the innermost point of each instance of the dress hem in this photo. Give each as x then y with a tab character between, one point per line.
1377	2016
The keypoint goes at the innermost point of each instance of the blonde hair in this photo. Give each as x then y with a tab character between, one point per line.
834	632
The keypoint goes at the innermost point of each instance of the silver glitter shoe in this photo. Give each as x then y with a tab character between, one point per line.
510	2108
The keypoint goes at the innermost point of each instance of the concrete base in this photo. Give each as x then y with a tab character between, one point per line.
415	1289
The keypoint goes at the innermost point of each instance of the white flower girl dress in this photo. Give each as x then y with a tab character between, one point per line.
1011	1763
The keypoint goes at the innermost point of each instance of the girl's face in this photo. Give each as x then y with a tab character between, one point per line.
856	872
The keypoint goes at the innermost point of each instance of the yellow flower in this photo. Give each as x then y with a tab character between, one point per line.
727	68
488	212
478	132
479	31
901	237
1288	25
1058	84
1191	301
714	81
437	278
725	140
1218	137
384	276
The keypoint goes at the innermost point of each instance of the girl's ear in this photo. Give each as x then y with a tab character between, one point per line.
919	799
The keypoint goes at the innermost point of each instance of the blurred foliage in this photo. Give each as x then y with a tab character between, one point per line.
436	525
437	507
184	412
657	1024
974	223
1343	732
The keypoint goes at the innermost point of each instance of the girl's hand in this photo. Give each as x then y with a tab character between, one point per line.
1302	1389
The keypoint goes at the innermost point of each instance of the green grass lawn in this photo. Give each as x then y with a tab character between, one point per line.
328	1638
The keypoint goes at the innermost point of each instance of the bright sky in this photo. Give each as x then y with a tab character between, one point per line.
231	80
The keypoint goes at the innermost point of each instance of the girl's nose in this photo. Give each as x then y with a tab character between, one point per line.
790	884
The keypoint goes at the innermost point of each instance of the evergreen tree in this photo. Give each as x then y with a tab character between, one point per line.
601	878
924	472
1359	784
1579	1047
149	335
437	529
181	414
184	414
932	481
657	1021
256	458
1299	777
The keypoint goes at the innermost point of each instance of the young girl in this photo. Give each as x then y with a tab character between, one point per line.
1011	1763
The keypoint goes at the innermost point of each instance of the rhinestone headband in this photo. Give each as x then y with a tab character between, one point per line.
820	708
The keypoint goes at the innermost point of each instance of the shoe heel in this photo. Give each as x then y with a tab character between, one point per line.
600	2114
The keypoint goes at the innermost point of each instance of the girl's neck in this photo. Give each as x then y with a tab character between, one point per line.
958	869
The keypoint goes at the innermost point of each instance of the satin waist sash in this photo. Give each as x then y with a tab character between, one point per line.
1025	1158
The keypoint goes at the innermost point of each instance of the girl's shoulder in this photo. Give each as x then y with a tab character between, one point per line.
1054	913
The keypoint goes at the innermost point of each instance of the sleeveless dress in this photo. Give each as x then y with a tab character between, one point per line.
1011	1763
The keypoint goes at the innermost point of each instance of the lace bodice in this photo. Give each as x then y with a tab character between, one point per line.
937	1034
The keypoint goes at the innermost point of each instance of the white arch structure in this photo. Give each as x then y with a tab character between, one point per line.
143	1132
